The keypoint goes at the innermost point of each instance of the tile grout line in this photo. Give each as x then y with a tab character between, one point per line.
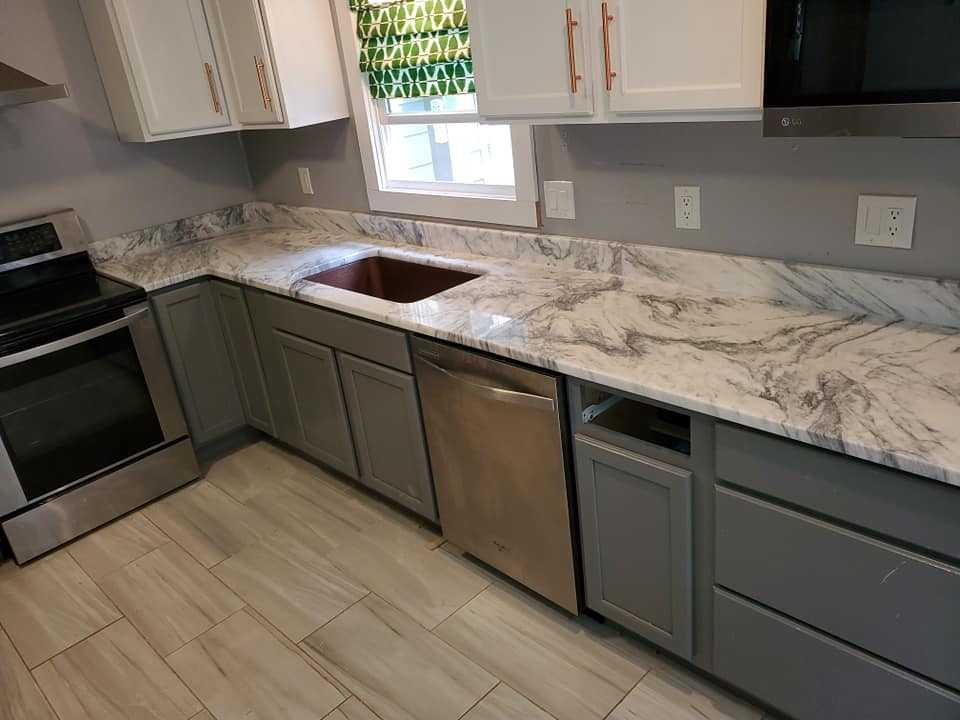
33	677
483	697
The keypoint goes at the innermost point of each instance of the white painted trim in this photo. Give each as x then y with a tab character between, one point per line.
520	211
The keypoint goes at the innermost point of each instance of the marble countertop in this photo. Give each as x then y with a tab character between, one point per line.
883	390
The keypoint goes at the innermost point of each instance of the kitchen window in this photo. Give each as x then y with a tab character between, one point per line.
431	155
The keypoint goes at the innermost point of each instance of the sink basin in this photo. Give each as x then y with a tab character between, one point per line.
390	279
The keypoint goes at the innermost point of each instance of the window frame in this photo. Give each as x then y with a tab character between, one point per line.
455	202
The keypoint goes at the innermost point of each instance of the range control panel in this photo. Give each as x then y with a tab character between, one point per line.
28	242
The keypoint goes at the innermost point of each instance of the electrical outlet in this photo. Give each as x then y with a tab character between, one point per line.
306	184
886	221
687	200
559	201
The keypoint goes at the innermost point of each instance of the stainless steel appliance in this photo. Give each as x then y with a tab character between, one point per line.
499	453
90	422
862	67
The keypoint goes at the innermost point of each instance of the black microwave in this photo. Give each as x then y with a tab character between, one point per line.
862	67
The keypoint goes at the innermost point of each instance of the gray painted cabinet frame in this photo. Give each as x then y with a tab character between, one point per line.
201	365
388	433
244	354
637	537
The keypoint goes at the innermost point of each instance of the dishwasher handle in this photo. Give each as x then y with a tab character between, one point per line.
537	402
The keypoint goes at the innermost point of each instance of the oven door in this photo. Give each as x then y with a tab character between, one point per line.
862	67
80	400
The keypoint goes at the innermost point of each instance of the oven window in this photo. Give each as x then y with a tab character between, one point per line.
862	52
69	414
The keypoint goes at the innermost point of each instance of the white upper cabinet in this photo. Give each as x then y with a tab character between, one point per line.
158	66
684	55
246	54
640	60
533	57
176	68
280	60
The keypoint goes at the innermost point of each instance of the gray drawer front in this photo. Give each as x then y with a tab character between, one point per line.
893	603
912	509
635	520
813	677
357	337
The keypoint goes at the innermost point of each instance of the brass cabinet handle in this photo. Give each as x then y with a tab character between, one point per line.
607	64
213	89
572	53
261	78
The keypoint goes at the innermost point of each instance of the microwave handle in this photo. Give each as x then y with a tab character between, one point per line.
72	340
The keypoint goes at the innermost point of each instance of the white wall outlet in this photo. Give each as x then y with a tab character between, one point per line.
886	221
688	207
558	200
306	184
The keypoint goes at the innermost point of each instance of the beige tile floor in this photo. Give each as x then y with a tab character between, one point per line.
271	590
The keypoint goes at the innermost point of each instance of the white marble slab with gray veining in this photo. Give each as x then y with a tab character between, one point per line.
873	386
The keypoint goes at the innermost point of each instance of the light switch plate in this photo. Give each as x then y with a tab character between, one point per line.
306	184
687	200
886	221
558	200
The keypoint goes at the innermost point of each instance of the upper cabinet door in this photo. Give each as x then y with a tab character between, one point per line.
532	58
681	55
172	60
247	53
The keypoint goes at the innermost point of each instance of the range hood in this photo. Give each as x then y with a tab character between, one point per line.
18	88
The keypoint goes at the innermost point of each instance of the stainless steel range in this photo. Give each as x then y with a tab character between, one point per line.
90	423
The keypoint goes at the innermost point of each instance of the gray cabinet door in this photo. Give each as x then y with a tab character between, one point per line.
316	418
635	520
201	364
242	346
388	432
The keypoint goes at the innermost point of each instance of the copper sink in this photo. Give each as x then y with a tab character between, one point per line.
389	279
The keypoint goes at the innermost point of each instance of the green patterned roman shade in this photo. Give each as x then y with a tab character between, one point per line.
415	48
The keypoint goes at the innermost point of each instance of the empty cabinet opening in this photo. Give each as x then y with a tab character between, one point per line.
655	425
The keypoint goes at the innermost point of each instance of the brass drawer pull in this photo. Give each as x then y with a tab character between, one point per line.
607	63
572	53
261	78
213	89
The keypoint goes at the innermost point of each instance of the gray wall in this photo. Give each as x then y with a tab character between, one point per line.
66	153
789	199
330	151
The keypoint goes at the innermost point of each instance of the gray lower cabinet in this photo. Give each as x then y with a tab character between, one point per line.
388	433
810	675
635	519
242	346
308	401
201	364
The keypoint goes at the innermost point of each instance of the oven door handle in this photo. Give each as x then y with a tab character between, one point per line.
72	340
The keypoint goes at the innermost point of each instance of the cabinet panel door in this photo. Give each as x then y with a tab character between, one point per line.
242	346
388	431
685	55
312	385
171	55
248	56
523	60
201	365
635	519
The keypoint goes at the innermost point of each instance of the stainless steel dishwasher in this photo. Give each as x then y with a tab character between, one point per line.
496	439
